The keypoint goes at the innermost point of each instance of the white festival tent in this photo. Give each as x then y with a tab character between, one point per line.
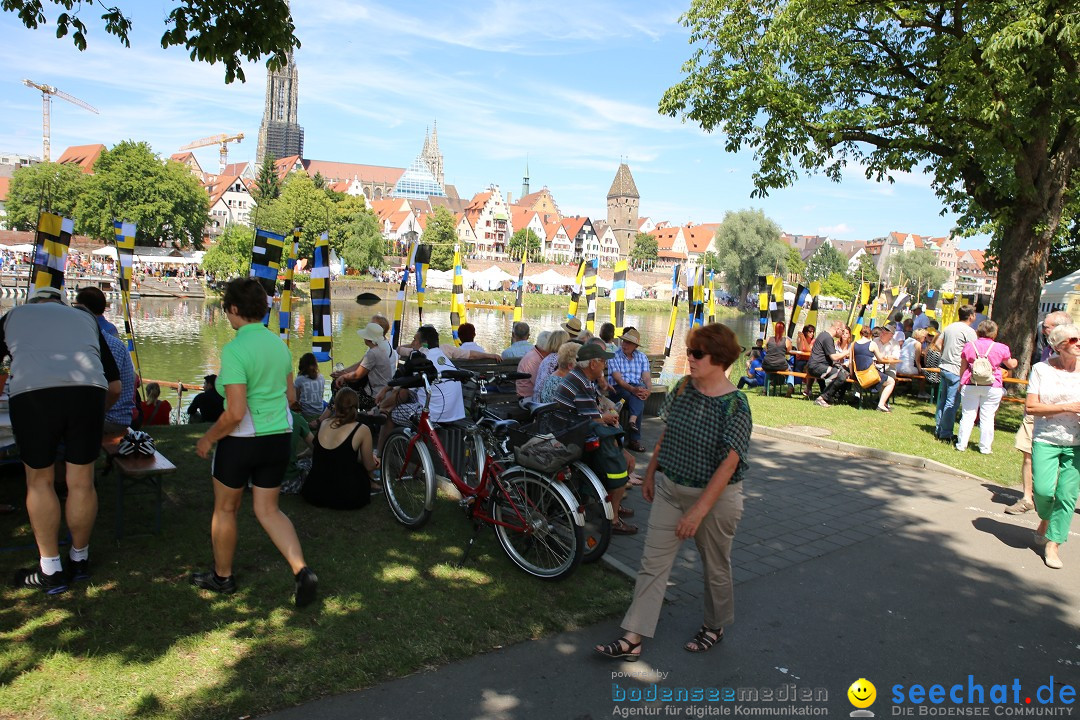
23	248
1061	294
550	281
438	279
490	279
110	252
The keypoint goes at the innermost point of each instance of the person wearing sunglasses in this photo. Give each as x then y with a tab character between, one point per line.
694	483
1053	398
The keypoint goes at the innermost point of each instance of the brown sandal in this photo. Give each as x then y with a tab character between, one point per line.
622	528
615	650
626	512
704	640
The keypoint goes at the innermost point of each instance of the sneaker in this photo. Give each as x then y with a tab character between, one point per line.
210	581
53	584
821	401
1020	507
78	570
307	586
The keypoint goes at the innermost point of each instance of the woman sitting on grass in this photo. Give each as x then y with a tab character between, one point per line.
342	460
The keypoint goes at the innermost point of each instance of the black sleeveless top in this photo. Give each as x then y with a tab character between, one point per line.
338	479
775	355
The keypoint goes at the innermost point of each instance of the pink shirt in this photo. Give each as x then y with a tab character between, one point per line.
529	364
997	355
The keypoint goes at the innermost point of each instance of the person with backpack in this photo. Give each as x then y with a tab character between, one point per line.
981	388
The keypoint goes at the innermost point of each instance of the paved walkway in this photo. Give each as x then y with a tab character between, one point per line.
845	568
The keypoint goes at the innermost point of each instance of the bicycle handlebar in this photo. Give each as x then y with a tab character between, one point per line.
411	381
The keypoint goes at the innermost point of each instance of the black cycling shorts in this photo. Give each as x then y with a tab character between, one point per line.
261	459
43	419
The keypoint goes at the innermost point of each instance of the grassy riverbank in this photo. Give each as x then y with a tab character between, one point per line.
139	641
909	429
540	301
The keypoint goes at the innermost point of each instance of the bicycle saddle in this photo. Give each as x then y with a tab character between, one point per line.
497	426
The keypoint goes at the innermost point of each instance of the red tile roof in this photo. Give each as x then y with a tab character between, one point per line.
82	155
336	171
573	225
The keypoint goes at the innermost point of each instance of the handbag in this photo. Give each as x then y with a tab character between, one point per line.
868	378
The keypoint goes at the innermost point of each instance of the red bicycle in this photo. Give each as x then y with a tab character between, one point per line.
537	522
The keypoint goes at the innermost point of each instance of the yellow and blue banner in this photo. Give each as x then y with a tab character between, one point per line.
266	253
292	247
421	260
591	269
519	299
575	292
322	334
399	303
51	245
457	298
124	234
674	310
618	297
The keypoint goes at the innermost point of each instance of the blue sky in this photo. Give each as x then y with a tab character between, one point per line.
571	89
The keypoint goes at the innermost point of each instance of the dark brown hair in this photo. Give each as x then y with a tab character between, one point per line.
346	404
249	297
717	340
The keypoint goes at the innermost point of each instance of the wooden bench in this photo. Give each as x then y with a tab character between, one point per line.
136	476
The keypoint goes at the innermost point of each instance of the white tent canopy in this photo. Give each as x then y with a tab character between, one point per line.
490	279
1057	294
439	279
23	248
549	278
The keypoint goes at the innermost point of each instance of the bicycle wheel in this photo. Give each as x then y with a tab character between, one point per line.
589	491
409	486
543	538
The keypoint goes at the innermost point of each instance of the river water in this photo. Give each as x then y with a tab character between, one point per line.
180	340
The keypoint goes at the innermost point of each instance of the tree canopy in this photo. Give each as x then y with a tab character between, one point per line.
441	235
979	95
795	264
43	186
362	244
825	261
748	244
865	270
230	256
267	186
643	254
524	242
838	286
917	271
210	30
163	199
303	205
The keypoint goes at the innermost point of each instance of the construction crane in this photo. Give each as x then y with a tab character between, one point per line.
222	140
47	92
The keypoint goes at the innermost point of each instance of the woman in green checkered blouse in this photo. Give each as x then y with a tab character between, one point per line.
694	482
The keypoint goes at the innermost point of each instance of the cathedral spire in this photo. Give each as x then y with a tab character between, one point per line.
525	180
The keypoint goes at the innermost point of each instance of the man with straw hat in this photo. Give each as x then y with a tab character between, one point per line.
630	380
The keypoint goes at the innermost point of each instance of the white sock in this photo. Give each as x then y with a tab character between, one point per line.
78	554
51	565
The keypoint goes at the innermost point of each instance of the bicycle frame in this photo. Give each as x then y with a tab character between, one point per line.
490	475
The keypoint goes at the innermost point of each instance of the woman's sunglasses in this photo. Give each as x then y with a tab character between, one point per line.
696	354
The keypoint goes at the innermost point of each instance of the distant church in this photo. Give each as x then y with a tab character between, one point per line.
280	134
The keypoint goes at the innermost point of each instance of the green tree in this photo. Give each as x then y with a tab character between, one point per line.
163	199
267	184
644	253
522	242
300	204
319	181
748	244
865	271
981	96
362	243
825	261
838	286
796	266
230	256
441	235
246	29
45	186
918	269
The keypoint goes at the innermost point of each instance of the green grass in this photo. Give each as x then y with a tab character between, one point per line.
139	641
908	429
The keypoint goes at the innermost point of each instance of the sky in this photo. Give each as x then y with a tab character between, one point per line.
569	90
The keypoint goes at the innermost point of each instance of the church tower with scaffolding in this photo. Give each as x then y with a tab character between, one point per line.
280	134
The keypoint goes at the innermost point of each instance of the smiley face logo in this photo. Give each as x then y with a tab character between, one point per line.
862	693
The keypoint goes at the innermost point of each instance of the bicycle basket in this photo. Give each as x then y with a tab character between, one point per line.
550	443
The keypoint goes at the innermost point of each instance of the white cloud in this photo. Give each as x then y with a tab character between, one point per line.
834	230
